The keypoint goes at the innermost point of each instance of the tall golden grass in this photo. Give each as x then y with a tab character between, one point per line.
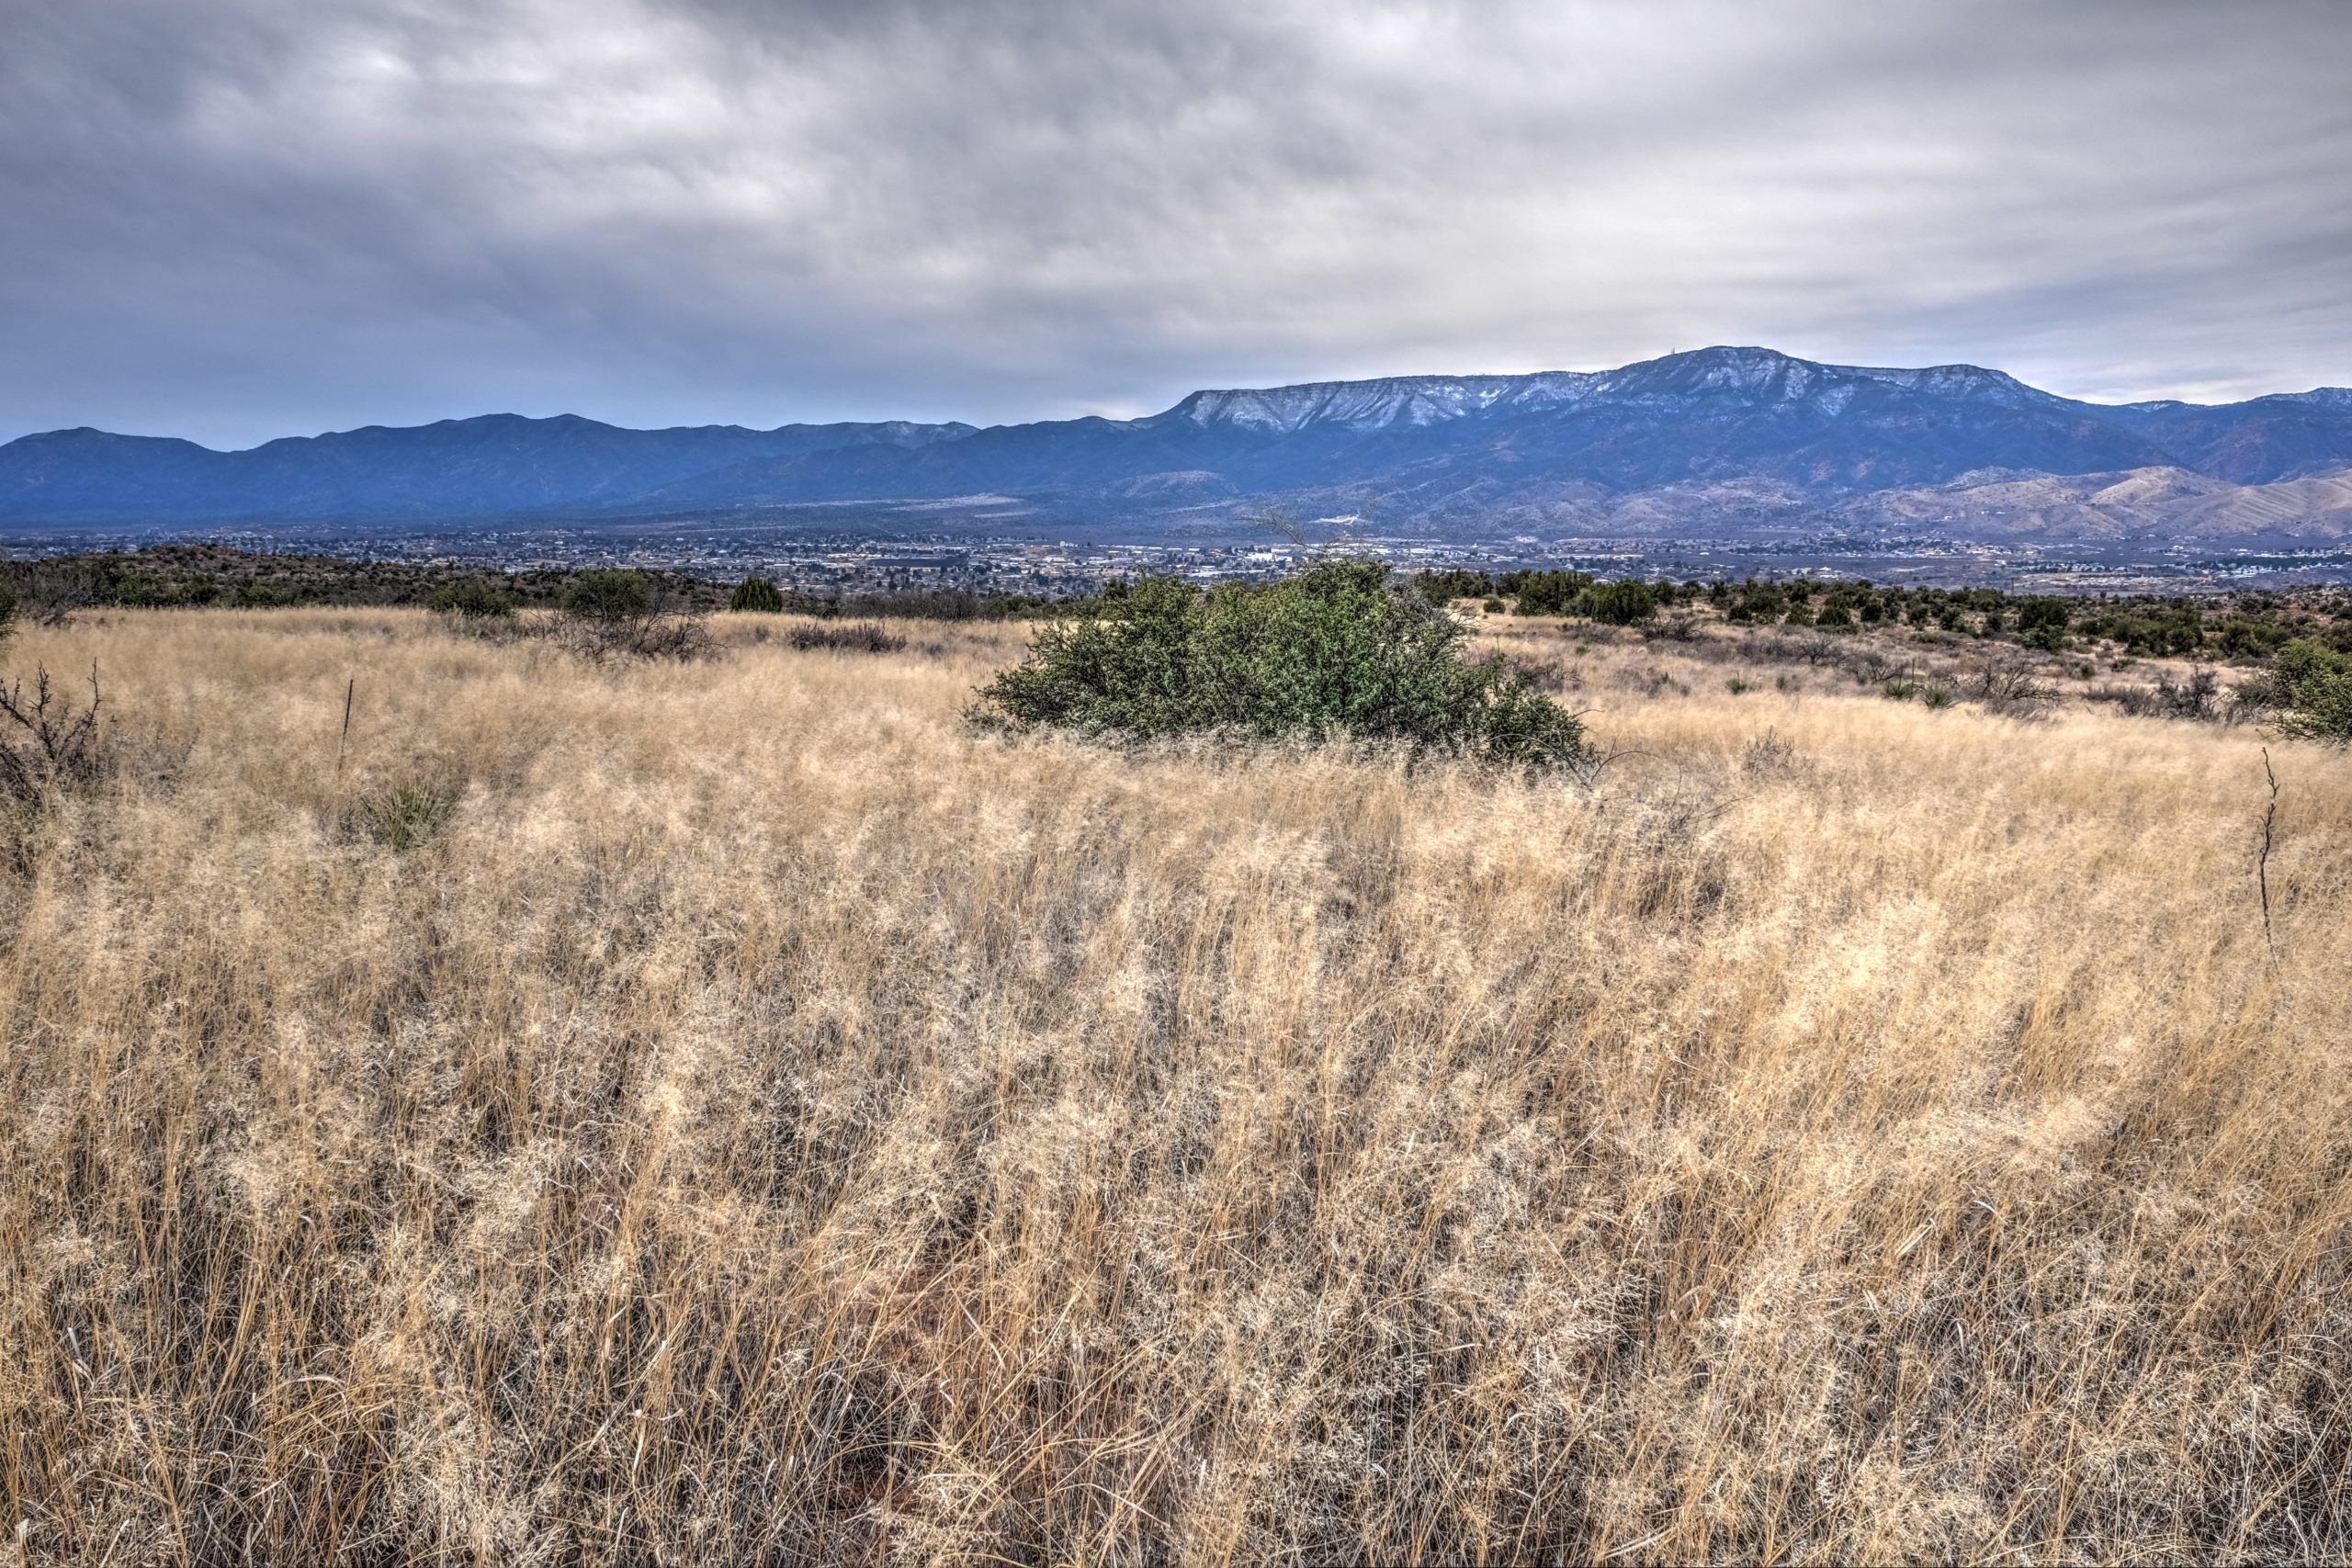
772	1122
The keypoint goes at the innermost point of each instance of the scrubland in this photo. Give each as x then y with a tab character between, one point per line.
758	1117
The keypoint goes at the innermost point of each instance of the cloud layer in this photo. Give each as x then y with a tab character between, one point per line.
234	218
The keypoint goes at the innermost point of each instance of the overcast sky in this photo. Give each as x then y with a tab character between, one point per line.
236	218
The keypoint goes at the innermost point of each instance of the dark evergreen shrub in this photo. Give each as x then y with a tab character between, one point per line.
757	594
1621	603
2043	614
1332	651
1545	592
1442	587
474	598
2250	636
1757	603
2155	633
609	595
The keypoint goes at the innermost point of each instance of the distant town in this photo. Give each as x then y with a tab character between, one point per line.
848	564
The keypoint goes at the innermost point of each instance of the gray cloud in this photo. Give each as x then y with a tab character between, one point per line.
233	219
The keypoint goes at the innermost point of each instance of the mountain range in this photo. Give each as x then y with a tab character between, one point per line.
1716	443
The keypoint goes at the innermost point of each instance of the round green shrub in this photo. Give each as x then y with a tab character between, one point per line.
2044	614
619	594
1332	651
758	595
1621	603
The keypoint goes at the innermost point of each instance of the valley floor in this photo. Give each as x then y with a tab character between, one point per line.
734	1110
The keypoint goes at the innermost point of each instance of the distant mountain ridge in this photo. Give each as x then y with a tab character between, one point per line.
1716	442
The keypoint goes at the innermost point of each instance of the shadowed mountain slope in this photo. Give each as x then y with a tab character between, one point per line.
1716	441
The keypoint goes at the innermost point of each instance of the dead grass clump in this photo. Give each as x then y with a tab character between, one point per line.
845	637
1546	675
2009	684
1868	665
406	814
1770	755
1678	626
682	639
2196	699
1650	681
1815	650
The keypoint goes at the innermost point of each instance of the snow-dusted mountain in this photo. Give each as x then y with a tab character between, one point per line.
1724	375
1376	405
1714	442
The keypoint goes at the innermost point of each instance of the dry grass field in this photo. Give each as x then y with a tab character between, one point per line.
753	1116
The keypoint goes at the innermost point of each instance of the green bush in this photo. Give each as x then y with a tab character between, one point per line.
758	595
144	591
1760	603
1443	587
1621	603
2249	637
2043	614
1544	592
609	595
1332	651
7	607
475	599
2042	622
2316	683
2153	634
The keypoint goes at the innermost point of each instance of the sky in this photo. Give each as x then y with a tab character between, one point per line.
233	220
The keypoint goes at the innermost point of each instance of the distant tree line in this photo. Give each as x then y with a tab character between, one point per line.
2247	625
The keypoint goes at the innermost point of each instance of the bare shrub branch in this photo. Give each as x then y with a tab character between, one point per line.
50	743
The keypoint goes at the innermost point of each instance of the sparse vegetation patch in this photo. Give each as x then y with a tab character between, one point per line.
406	814
850	637
474	599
